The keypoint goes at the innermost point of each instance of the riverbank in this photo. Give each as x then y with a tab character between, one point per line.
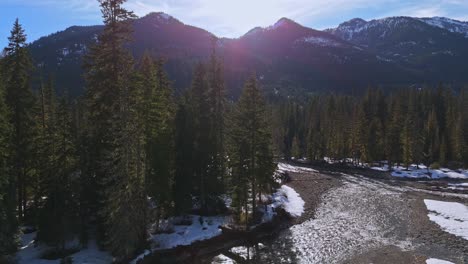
419	238
350	216
310	188
358	216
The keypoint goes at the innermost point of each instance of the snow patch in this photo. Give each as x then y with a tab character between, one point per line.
29	253
320	41
421	171
284	167
293	205
202	228
450	216
437	261
286	198
464	184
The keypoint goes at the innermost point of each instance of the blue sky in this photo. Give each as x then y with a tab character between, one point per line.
224	18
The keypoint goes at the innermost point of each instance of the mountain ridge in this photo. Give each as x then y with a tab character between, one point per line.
392	51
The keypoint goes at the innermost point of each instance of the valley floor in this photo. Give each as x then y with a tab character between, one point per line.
350	218
342	216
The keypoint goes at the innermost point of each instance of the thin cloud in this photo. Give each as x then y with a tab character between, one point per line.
234	18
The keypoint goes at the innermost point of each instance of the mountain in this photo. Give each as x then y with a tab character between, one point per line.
160	34
288	57
435	51
451	25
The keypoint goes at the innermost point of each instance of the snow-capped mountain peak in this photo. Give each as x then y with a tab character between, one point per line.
451	25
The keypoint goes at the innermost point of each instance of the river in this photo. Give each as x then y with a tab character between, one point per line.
361	219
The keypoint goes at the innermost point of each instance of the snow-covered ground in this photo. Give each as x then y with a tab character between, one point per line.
458	186
422	172
414	171
284	167
201	228
450	216
350	219
31	254
286	198
437	261
193	228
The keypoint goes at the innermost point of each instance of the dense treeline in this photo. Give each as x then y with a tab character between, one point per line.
113	163
428	126
129	153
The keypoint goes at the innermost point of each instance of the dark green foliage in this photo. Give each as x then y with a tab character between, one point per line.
407	126
7	206
184	147
251	154
203	110
58	217
20	101
158	112
116	135
16	118
216	130
130	153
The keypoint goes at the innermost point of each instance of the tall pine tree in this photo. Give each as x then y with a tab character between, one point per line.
117	135
251	154
8	226
20	101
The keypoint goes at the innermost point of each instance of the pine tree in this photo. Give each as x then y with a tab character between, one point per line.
199	95
250	151
464	125
295	149
20	101
58	217
116	131
216	93
432	141
315	136
158	113
7	206
393	137
184	147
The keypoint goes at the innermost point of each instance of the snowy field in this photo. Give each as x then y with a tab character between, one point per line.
451	217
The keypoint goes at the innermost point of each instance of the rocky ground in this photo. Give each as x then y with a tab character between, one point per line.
312	186
357	216
397	206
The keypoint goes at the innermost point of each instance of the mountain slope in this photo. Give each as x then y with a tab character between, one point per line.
434	51
451	25
287	56
158	33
